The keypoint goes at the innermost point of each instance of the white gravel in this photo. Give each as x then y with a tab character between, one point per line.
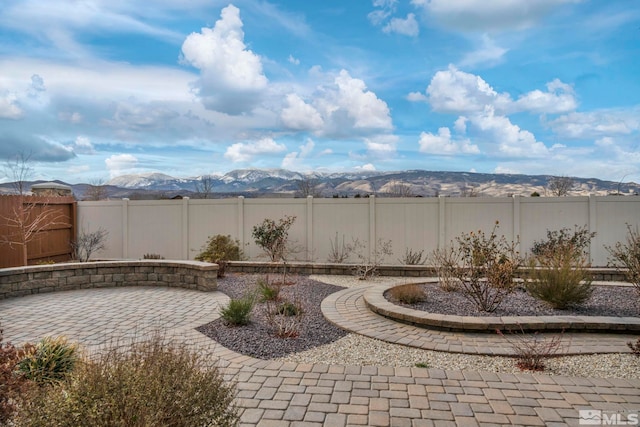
355	349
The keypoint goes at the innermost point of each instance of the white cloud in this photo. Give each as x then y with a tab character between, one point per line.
300	115
9	108
82	145
231	76
408	27
559	98
443	144
511	140
363	106
488	53
417	97
489	16
118	164
369	167
381	146
294	61
454	91
505	170
244	152
293	160
385	9
596	124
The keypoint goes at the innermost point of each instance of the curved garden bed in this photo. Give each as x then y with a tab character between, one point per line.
376	302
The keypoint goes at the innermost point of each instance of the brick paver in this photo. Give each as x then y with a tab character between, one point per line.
288	394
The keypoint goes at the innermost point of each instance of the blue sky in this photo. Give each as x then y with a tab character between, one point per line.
97	89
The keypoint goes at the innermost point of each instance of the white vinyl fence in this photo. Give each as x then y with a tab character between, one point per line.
177	229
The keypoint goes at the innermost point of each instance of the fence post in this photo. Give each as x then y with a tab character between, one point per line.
125	228
372	226
441	222
241	221
516	219
185	228
593	223
309	228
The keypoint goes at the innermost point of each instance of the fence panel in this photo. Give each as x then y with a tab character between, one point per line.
45	224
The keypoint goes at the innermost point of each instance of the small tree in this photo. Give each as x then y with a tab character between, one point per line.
96	190
308	187
560	185
273	237
399	189
204	186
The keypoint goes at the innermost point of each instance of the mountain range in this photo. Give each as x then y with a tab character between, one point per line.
285	183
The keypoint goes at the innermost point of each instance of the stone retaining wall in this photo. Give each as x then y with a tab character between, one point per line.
21	281
598	274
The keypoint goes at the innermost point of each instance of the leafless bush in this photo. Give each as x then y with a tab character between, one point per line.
368	264
411	293
340	251
413	258
89	242
627	256
532	350
446	262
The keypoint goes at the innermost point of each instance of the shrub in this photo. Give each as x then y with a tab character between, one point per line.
560	279
238	311
413	258
288	308
446	262
284	319
627	255
220	249
268	291
635	348
150	384
87	243
152	256
486	266
272	237
13	383
340	251
368	264
49	361
532	350
563	240
408	294
422	365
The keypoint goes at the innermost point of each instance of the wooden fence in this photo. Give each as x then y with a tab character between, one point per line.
36	229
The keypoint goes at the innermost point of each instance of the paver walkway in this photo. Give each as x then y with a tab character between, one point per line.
291	394
347	309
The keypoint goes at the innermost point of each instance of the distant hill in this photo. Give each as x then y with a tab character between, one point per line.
285	183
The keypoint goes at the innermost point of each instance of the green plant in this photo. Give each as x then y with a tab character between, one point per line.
272	236
221	249
408	294
154	383
532	350
413	258
152	256
627	256
288	308
560	278
13	383
49	361
238	311
422	365
486	266
635	348
268	291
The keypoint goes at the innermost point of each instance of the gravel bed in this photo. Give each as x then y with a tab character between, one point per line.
258	338
605	300
321	342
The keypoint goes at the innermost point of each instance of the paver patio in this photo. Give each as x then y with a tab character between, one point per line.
291	394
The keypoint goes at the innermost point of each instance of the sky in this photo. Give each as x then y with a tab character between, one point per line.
94	89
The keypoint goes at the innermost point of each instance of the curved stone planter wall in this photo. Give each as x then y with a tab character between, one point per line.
375	300
21	281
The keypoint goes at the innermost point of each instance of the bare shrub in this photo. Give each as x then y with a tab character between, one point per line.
413	258
532	350
408	294
13	383
339	251
564	240
627	256
368	264
486	267
445	261
87	243
152	256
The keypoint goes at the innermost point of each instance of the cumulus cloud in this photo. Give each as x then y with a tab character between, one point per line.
231	76
559	98
369	167
82	145
385	8
487	53
244	152
119	164
488	16
407	27
381	146
444	144
300	115
597	124
511	140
